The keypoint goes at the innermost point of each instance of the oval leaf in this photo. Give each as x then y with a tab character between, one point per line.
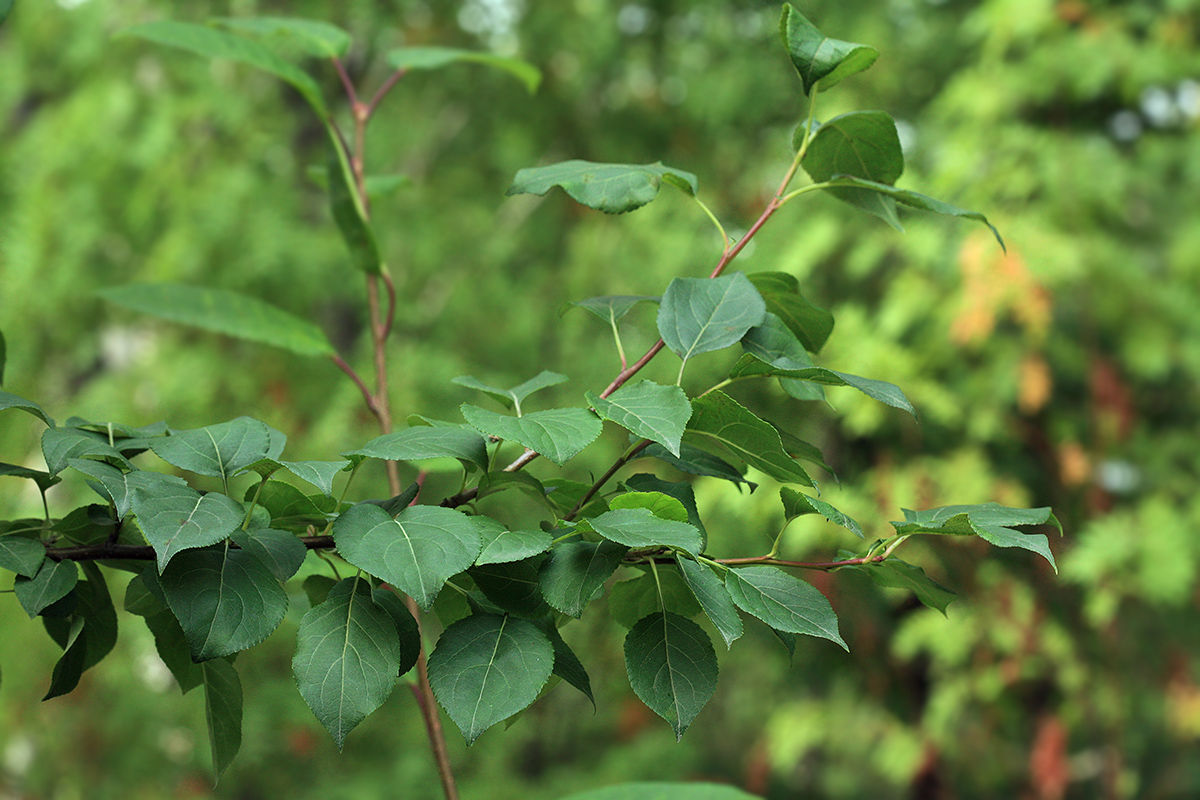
409	58
647	410
558	434
820	61
861	144
421	442
699	315
53	582
785	603
176	518
672	667
714	598
574	573
639	527
719	418
611	188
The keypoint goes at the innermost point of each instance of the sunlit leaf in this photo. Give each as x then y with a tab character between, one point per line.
640	527
860	144
820	61
558	434
512	398
991	522
796	504
718	418
219	450
417	443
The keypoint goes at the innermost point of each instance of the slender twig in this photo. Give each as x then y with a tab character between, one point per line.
625	458
368	398
819	565
384	89
347	84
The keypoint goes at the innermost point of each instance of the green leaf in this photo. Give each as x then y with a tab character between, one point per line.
416	552
916	200
672	667
173	649
222	712
502	546
59	445
21	555
896	574
566	664
574	573
281	552
290	508
486	668
660	504
718	418
176	518
611	188
346	206
680	490
714	598
53	582
991	522
647	410
512	587
751	364
796	504
695	461
861	144
316	588
821	62
219	450
559	434
784	602
69	667
98	636
406	627
43	479
632	600
206	41
639	527
699	315
415	444
564	495
498	481
8	400
511	398
319	473
664	791
223	311
347	657
420	58
225	599
611	308
310	37
810	324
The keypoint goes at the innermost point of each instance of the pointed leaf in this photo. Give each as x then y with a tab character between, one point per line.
119	486
699	315
647	410
784	602
861	144
416	552
821	62
9	400
695	461
639	527
281	552
53	582
348	211
559	434
69	667
222	712
43	479
319	473
511	398
347	657
96	637
896	574
611	188
574	573
486	668
632	600
714	598
886	393
810	324
611	308
176	518
672	667
512	587
503	546
415	444
414	58
796	504
310	37
991	522
718	418
566	664
59	445
406	627
219	450
21	555
173	649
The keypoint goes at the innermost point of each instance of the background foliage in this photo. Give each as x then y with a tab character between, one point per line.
1062	374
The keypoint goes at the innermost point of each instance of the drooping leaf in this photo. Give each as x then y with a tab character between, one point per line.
118	485
487	667
415	444
511	398
65	675
672	667
611	188
860	144
346	207
699	315
512	587
718	418
647	410
347	657
558	434
219	450
776	344
821	62
290	508
176	518
809	323
21	555
95	637
611	308
784	602
695	461
632	600
916	200
884	392
173	649
223	311
991	522
714	598
406	626
665	791
796	504
222	712
640	527
417	551
310	37
575	572
281	552
9	400
504	546
421	58
499	481
53	581
566	664
319	473
42	478
896	574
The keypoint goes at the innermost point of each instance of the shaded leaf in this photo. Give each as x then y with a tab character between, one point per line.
784	602
421	58
512	587
415	444
634	599
43	479
176	518
281	552
896	574
991	522
65	675
406	627
9	400
796	504
886	393
611	188
559	434
672	667
647	410
21	555
640	527
53	582
680	490
714	598
821	62
809	323
718	418
87	635
695	461
502	546
699	315
346	207
222	712
574	573
566	664
665	791
173	649
59	445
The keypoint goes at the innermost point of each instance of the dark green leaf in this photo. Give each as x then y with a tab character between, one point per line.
512	587
413	58
140	600
289	507
810	324
21	555
316	588
896	574
94	638
699	315
564	495
406	626
223	311
53	581
611	188
118	485
664	791
672	667
861	144
219	450
319	473
416	552
69	667
611	308
784	602
511	398
176	518
346	206
991	522
499	481
640	527
797	504
821	62
632	600
559	434
415	444
574	573
222	712
718	418
486	668
59	445
566	664
8	400
280	551
884	392
647	410
173	649
714	598
5	7
695	461
312	38
502	546
347	657
43	479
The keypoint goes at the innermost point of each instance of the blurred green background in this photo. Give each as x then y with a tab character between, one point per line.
1064	373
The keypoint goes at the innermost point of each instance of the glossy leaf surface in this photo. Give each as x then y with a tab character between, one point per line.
575	572
991	522
820	61
718	418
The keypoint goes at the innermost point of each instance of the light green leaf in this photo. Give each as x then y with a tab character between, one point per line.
21	555
9	400
502	546
176	518
784	602
751	364
699	315
574	573
896	574
281	552
486	668
346	206
821	62
632	600
861	144
222	712
611	188
714	598
639	527
347	657
796	504
559	434
309	37
665	791
611	308
53	582
718	418
415	444
219	450
414	58
416	552
511	398
672	667
680	490
810	324
991	522
658	503
647	410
